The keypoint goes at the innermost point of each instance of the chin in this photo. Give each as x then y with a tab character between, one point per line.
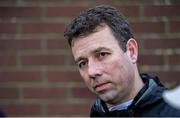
107	97
110	97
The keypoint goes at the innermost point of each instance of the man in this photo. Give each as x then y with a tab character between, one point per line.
106	52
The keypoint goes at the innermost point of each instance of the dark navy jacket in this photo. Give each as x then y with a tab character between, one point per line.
147	103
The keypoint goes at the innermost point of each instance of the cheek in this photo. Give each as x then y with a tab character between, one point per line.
85	79
83	75
118	70
113	66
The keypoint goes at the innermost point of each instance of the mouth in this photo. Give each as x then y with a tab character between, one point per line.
100	87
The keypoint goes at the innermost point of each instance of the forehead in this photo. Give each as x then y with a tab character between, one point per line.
102	38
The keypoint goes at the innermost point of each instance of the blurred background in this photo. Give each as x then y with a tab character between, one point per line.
38	76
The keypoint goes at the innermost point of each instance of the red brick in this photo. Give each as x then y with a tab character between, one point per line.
57	44
19	44
151	59
129	10
64	11
43	28
7	2
161	43
7	59
20	76
43	60
46	2
23	11
174	60
8	28
22	110
66	76
82	93
174	26
81	2
72	11
175	2
162	10
148	27
169	76
71	60
68	109
45	93
8	93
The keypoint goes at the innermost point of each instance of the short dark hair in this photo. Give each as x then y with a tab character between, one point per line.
88	21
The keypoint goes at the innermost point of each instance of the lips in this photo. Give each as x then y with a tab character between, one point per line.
101	86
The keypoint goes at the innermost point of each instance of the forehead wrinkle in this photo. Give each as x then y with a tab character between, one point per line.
86	43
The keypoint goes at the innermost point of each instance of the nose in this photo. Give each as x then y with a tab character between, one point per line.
94	69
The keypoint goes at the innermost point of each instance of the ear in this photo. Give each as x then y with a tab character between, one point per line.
132	50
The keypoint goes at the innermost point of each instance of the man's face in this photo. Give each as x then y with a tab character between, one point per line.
107	70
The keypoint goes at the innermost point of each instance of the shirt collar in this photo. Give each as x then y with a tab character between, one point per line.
121	106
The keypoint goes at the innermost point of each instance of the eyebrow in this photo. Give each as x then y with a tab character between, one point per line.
94	51
99	49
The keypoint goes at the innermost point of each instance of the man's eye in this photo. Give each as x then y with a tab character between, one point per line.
103	54
82	64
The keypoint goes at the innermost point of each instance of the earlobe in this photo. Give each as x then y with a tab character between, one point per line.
132	50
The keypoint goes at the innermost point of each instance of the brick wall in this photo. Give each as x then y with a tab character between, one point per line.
37	73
